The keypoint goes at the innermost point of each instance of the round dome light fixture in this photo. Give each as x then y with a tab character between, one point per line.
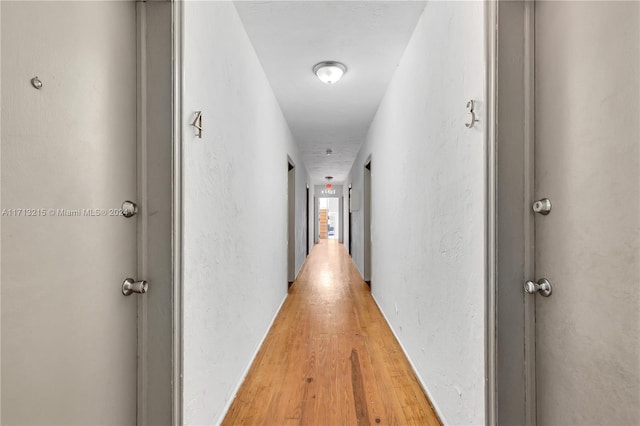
329	72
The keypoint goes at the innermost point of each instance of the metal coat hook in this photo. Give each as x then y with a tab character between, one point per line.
197	123
470	106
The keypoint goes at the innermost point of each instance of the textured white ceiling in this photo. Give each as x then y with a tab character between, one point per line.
290	37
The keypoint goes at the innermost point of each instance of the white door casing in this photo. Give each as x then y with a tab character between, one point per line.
367	204
291	218
159	353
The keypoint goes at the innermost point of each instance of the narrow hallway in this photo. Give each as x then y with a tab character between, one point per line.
330	358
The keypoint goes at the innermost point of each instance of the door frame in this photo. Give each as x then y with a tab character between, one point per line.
349	220
176	210
307	218
510	316
291	221
317	219
367	181
341	219
159	351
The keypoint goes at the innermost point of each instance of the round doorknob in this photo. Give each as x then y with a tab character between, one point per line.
543	286
129	286
542	207
129	209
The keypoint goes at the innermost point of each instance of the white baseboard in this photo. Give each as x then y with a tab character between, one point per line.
415	370
246	370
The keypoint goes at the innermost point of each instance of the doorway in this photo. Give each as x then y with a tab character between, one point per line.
329	218
350	226
367	222
307	219
291	219
340	230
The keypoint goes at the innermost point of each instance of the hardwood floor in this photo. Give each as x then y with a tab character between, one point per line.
330	357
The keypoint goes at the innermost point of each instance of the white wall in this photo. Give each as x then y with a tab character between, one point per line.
428	192
235	207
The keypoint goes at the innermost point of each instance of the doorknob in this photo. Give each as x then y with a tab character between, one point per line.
543	286
542	207
129	209
129	286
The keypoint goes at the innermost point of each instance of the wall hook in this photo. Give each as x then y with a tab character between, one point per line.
197	123
470	106
36	83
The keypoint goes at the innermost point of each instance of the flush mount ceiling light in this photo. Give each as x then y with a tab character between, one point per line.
329	72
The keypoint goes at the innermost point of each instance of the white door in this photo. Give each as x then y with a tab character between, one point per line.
587	164
68	333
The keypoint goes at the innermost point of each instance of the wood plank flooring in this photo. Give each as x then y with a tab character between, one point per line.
330	357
